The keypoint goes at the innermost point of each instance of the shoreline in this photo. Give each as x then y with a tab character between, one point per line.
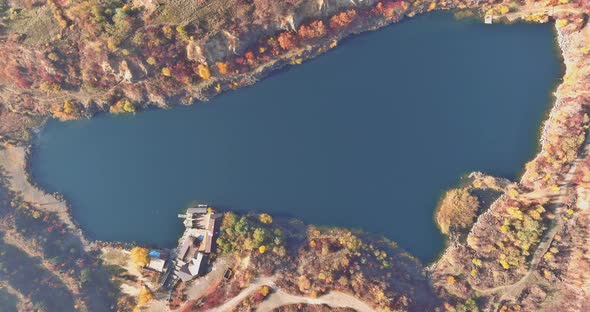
283	63
568	98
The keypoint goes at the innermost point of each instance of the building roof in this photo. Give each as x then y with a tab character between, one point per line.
184	273
196	264
196	210
208	242
156	264
185	246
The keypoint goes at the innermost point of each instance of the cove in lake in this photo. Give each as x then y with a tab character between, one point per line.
368	135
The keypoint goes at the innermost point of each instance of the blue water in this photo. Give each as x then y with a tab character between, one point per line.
368	135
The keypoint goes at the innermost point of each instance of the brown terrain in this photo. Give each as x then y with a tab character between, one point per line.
513	246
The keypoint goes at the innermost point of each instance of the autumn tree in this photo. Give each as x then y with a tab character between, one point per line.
265	218
182	32
222	67
303	283
458	209
388	8
57	14
287	40
144	296
249	56
203	71
342	19
264	290
69	107
139	256
122	106
314	30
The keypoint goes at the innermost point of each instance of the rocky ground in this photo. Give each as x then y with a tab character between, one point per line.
524	249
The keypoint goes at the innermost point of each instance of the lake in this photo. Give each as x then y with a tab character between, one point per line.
367	136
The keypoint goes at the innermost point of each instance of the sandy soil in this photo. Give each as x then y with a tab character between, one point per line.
333	299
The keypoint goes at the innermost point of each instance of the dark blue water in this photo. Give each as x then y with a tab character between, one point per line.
367	136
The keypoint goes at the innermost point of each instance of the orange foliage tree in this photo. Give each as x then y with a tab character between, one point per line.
249	56
342	19
315	29
387	8
287	40
222	67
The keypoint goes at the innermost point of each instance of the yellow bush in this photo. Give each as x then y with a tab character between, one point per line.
166	72
203	71
548	256
139	256
265	218
182	33
561	23
122	106
264	290
505	264
69	107
145	295
515	213
504	229
451	280
512	193
432	6
503	9
537	18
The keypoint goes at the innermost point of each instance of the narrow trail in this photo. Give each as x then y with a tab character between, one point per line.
333	299
230	304
279	298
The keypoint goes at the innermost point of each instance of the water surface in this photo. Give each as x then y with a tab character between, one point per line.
367	136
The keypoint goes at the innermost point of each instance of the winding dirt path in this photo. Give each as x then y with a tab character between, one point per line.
230	304
333	299
279	298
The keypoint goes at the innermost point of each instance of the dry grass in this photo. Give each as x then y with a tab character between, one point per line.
206	13
38	25
114	256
